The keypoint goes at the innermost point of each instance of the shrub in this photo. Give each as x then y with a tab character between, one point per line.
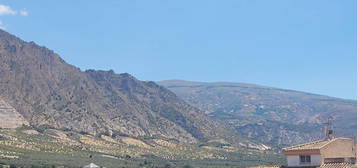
42	128
187	166
84	132
117	133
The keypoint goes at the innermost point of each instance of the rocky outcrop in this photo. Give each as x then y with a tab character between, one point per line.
9	117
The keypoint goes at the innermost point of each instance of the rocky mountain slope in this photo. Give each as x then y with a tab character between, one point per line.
47	92
276	117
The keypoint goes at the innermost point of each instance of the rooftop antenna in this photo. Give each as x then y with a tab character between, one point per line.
328	129
354	146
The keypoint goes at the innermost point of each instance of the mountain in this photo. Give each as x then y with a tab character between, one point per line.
277	117
41	90
52	114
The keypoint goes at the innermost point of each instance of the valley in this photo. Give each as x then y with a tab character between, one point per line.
26	146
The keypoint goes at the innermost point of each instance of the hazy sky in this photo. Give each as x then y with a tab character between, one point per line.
306	45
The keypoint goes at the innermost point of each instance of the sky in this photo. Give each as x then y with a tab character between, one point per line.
305	45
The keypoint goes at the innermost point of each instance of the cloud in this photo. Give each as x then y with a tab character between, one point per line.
2	26
6	10
24	12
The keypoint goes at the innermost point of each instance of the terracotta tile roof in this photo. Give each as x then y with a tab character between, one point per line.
338	165
311	146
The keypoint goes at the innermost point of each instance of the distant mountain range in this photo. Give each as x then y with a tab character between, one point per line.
276	117
42	90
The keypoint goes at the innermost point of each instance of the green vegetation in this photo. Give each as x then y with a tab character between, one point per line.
71	149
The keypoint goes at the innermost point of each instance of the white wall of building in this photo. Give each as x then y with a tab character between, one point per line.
294	160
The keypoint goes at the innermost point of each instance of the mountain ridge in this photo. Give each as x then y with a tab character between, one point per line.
197	83
277	117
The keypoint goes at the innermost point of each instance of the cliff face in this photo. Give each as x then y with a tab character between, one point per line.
10	118
45	90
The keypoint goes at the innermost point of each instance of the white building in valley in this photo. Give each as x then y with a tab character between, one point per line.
92	165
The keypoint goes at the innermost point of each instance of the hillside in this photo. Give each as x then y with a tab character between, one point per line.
45	91
273	116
